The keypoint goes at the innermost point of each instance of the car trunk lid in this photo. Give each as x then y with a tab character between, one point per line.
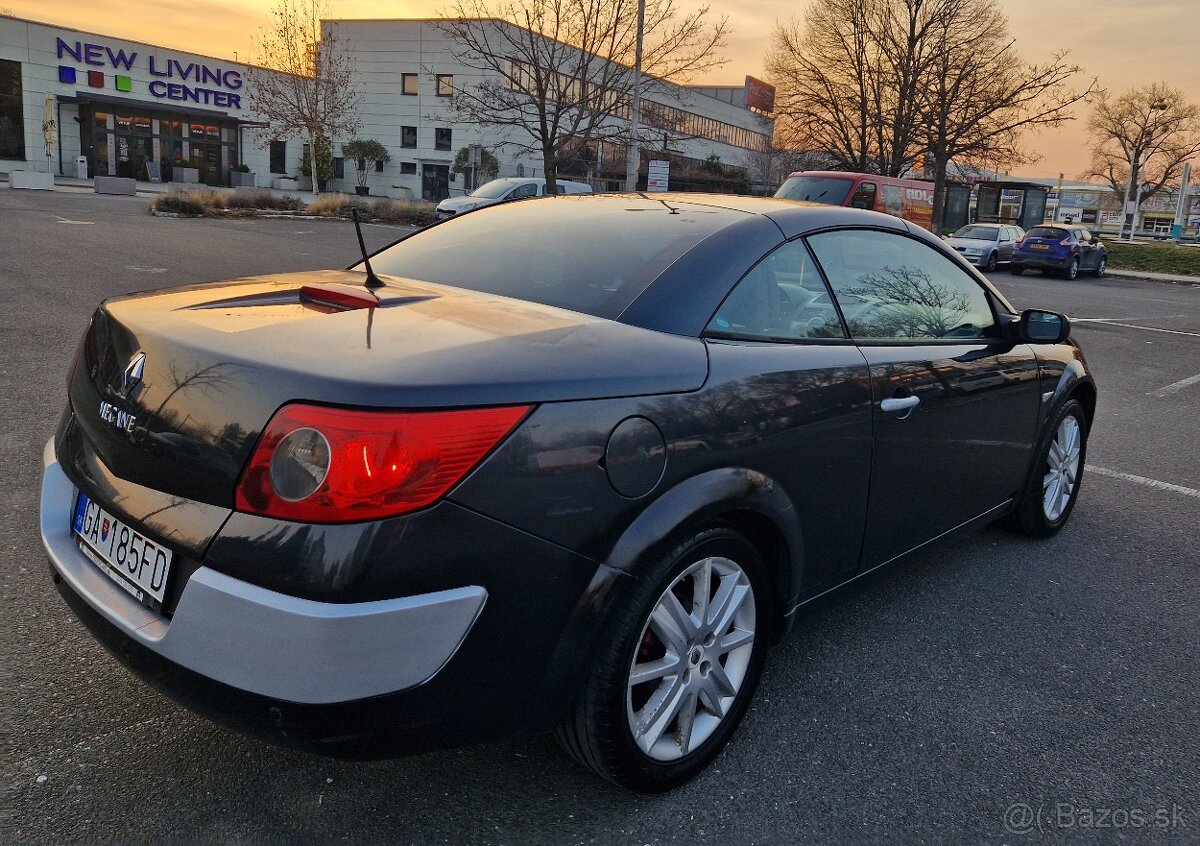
173	387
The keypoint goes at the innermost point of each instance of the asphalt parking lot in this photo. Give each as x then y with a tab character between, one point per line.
994	690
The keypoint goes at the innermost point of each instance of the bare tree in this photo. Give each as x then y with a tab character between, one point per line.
847	80
881	83
981	95
559	72
1154	127
769	167
305	85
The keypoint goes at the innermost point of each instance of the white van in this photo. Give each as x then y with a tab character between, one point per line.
508	188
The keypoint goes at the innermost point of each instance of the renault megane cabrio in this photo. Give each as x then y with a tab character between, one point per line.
569	464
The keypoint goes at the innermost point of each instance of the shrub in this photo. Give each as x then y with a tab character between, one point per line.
178	202
328	205
409	212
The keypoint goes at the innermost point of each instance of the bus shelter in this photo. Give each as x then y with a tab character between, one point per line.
1022	204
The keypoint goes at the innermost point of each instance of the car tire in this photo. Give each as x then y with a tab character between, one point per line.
991	263
645	635
1053	485
1072	271
1016	269
1101	267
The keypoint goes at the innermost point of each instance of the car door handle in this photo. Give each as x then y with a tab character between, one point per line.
893	404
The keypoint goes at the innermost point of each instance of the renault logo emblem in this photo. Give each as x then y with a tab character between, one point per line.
133	373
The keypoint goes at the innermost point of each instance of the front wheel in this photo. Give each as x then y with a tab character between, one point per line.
677	666
1053	486
1101	267
991	263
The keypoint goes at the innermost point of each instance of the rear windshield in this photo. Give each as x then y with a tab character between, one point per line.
816	189
979	233
591	254
1047	232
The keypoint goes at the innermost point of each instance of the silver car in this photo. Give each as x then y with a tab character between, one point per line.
986	244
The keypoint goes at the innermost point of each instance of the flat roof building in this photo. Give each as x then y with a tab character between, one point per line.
130	109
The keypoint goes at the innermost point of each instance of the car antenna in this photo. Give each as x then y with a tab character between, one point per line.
673	210
372	281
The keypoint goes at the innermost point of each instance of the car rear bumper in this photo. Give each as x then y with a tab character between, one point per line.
502	653
261	641
1038	260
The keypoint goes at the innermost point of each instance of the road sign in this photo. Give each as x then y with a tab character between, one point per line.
657	175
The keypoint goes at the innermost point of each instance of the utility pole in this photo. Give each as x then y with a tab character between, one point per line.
1181	206
633	161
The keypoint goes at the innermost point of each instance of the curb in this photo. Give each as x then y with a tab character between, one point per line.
1149	276
279	216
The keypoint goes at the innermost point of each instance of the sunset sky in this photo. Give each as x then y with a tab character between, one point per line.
1125	43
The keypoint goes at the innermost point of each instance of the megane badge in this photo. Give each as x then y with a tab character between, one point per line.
133	373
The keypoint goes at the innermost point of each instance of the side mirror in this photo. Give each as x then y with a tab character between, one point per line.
1043	327
1095	240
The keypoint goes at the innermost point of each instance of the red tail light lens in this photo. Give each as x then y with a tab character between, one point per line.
332	465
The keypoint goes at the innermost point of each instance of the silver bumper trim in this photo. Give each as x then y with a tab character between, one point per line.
266	642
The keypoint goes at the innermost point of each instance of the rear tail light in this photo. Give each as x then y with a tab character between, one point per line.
315	464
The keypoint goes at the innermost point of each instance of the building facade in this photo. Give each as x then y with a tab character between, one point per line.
122	104
127	107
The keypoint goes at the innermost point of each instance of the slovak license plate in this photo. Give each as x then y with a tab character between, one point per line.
1040	246
129	558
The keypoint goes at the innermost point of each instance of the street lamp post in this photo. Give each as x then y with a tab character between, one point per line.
632	160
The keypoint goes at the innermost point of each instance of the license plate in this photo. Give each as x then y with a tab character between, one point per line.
129	558
1040	246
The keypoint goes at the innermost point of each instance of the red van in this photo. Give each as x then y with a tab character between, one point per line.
906	198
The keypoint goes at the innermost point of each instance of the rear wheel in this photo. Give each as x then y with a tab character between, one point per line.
1053	487
1016	269
676	667
1072	270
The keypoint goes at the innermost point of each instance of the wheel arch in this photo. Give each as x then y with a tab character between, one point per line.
747	501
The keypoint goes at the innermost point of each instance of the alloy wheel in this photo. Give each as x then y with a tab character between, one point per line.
693	655
1073	269
1062	469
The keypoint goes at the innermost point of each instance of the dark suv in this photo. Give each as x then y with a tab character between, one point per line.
1066	249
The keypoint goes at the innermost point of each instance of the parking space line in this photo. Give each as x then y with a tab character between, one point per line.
1176	386
1142	480
1107	322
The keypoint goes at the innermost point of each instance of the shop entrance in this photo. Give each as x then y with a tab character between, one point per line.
435	182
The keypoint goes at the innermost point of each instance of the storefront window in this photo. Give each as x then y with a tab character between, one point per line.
12	124
278	157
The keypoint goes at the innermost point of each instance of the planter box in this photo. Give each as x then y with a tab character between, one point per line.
115	185
305	183
362	190
287	184
190	175
237	179
32	179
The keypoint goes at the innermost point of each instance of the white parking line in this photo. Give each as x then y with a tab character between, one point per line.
1142	480
1108	322
1176	386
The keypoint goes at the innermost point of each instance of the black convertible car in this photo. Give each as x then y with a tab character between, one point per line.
568	463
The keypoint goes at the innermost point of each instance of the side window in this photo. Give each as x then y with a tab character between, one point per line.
529	189
890	286
781	298
893	202
864	197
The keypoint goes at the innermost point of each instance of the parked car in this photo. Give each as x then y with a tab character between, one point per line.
1069	250
911	199
564	482
508	188
986	244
